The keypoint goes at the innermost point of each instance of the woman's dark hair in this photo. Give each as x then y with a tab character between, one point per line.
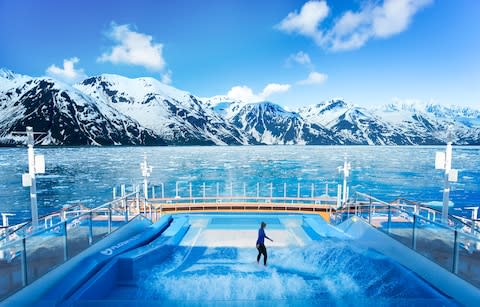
263	224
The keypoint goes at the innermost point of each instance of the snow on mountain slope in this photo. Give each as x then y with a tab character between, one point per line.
65	115
176	115
111	109
427	123
223	105
352	124
269	123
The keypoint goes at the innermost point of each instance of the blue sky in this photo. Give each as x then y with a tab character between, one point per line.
290	52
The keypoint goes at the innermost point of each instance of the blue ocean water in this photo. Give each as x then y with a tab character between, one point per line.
86	175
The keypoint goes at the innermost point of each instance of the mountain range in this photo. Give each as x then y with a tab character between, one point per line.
116	110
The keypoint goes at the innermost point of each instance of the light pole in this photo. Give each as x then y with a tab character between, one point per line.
146	171
36	165
443	161
346	173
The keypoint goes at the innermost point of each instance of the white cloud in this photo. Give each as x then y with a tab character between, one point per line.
68	73
314	78
243	93
301	58
246	94
353	29
133	48
306	22
274	88
167	77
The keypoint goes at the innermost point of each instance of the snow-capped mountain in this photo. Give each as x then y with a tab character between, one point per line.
111	109
64	114
357	125
269	123
175	115
428	123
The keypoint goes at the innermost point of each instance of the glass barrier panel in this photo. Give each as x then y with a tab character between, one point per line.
11	276
435	242
468	266
77	235
99	224
363	211
118	218
379	217
401	226
45	251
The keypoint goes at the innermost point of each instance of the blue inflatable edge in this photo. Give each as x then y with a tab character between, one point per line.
123	268
316	228
61	282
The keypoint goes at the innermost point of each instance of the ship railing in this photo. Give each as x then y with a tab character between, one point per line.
197	189
448	245
245	199
28	257
465	224
13	232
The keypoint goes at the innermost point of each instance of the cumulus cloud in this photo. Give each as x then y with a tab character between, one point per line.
307	20
246	94
314	78
242	93
353	29
274	88
133	48
68	73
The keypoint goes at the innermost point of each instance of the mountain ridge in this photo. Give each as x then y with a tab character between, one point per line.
115	110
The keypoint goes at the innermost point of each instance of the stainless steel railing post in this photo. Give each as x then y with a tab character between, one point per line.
414	233
370	211
126	210
348	210
389	224
137	199
65	241
110	218
24	262
455	253
90	229
150	211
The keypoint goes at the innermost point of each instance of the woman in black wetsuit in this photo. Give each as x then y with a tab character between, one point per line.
261	243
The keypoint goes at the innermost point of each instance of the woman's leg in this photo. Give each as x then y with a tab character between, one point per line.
259	253
264	255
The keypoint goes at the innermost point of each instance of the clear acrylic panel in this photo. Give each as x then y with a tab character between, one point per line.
11	275
469	258
99	224
45	251
401	226
77	235
435	242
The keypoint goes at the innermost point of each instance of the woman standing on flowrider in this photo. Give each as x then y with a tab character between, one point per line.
261	244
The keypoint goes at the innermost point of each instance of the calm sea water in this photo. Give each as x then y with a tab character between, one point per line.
87	174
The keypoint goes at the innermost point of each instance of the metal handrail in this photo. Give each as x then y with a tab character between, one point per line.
449	234
450	216
67	220
322	197
18	247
